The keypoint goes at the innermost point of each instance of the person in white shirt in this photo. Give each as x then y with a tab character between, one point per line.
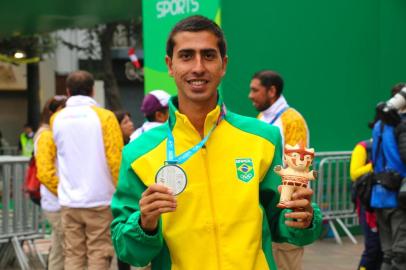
88	140
155	109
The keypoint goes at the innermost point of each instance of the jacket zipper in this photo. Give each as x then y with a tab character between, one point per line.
215	225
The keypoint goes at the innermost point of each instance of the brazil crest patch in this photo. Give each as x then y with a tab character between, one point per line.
245	169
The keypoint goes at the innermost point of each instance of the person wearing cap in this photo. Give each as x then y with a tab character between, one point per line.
155	109
199	192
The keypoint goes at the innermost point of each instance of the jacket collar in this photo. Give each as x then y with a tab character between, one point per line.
182	121
80	100
273	110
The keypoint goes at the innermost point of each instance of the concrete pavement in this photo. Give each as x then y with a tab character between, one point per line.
323	254
327	254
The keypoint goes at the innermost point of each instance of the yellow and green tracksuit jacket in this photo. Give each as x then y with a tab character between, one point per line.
226	218
88	142
45	157
292	125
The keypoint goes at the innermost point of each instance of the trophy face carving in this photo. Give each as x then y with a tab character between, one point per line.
298	157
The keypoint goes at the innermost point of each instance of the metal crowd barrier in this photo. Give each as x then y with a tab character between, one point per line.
332	191
20	218
9	151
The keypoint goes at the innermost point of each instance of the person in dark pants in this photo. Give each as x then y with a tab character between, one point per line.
391	219
371	258
361	164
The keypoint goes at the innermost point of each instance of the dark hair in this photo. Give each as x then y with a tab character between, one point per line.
120	115
269	78
51	106
197	23
371	124
152	118
80	83
396	88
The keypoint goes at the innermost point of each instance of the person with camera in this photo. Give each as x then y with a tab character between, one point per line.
389	170
400	130
360	171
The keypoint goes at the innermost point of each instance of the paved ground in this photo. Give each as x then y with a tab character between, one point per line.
323	254
327	254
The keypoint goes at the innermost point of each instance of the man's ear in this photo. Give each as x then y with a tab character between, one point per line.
168	61
272	92
225	62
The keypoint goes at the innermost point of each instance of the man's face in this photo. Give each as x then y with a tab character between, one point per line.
27	130
259	95
196	66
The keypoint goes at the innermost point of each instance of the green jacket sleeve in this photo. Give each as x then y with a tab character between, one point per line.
131	243
301	237
276	216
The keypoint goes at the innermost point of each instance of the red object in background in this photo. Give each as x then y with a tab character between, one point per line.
134	58
31	182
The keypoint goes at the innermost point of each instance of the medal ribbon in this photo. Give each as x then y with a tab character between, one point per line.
278	115
170	145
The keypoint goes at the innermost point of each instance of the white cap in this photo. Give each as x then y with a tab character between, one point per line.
154	101
162	96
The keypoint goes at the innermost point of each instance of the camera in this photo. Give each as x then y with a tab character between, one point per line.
387	111
398	101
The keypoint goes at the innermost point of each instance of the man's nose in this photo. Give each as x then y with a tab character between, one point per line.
199	66
250	94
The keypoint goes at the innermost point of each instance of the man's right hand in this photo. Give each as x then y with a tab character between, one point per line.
155	200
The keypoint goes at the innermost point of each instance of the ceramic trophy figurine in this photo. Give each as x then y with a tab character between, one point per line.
297	160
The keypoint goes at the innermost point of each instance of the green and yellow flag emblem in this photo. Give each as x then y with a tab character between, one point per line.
245	169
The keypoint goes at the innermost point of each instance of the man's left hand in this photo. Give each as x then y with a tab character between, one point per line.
302	210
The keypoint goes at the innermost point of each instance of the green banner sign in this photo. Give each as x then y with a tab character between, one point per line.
159	16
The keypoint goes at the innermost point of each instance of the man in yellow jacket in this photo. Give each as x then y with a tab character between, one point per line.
88	144
199	192
266	89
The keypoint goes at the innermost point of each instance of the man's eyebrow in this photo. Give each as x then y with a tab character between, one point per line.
186	50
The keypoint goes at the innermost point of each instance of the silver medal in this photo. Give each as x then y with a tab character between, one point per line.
172	176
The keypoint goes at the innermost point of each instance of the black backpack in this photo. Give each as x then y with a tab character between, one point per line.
362	187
